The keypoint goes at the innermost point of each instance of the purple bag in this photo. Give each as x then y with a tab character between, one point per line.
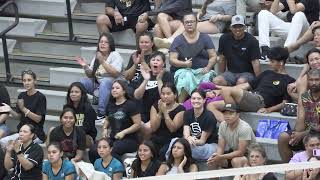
269	128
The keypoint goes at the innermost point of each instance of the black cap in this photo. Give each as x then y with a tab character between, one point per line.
231	107
278	54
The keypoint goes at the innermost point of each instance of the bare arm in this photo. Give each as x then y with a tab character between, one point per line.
212	58
117	176
176	123
110	11
8	164
221	146
193	168
154	119
3	118
25	163
79	155
162	170
44	176
33	116
138	93
87	71
239	152
110	69
277	107
293	7
256	66
300	123
69	177
222	63
276	6
203	138
173	56
135	126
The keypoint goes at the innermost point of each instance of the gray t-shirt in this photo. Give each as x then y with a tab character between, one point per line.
224	7
242	132
114	59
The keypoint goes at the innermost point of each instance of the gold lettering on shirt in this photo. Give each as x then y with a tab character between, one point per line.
80	119
127	2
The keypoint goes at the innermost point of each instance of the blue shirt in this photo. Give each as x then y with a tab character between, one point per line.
67	168
115	166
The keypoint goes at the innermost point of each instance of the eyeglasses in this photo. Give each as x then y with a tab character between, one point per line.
189	22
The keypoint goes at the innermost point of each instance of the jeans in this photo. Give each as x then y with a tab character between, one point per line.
104	86
291	30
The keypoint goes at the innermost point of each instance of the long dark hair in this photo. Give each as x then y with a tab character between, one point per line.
112	48
313	50
65	110
124	86
153	158
187	153
83	100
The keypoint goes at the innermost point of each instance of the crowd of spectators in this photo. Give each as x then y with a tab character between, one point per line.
174	117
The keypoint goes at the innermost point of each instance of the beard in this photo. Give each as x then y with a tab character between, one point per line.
315	89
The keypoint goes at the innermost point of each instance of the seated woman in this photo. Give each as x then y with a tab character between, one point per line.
104	68
166	119
77	99
123	119
106	163
297	88
70	136
180	159
4	98
56	168
192	57
256	157
24	155
200	128
31	108
215	14
147	163
140	57
148	88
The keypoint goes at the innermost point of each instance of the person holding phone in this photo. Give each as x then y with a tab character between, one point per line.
192	58
105	67
180	159
31	108
312	149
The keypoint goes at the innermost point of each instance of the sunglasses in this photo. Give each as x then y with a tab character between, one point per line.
30	72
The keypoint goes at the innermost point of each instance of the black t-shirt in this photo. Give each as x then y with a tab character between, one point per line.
151	94
151	170
205	122
34	154
269	176
162	135
129	7
36	103
69	144
239	53
311	9
119	117
86	119
4	96
272	87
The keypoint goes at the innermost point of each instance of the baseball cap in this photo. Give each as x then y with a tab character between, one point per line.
237	19
231	107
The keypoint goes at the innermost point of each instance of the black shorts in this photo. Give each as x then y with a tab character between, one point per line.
130	23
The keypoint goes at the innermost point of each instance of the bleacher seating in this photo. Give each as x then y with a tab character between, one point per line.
41	43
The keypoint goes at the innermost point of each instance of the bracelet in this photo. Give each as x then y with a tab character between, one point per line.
26	114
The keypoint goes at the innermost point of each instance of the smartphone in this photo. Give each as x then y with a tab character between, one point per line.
316	152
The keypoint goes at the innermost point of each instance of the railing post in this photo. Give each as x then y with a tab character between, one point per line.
6	58
70	26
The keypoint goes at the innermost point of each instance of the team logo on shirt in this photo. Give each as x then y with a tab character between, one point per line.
127	2
151	84
276	83
119	115
195	129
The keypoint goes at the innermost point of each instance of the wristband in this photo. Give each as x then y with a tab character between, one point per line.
26	114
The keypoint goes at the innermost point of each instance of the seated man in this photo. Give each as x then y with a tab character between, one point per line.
310	142
235	134
239	55
300	14
268	91
121	15
215	14
308	118
169	16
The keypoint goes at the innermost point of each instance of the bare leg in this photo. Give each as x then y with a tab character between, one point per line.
157	31
283	147
239	162
103	24
216	107
232	94
207	27
163	21
176	27
219	80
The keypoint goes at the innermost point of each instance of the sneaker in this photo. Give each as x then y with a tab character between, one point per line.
162	42
100	119
264	53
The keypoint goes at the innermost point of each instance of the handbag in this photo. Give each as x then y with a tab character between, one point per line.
289	109
269	128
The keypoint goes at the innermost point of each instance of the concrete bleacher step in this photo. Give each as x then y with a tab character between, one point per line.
271	147
58	75
55	99
26	27
10	45
55	8
86	28
253	118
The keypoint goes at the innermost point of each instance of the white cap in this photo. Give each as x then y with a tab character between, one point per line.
237	19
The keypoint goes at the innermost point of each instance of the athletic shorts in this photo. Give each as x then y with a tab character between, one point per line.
251	102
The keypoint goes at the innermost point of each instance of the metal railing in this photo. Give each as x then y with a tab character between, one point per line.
72	37
3	36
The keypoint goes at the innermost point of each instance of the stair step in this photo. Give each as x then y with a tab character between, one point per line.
10	45
56	8
58	75
26	27
84	28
